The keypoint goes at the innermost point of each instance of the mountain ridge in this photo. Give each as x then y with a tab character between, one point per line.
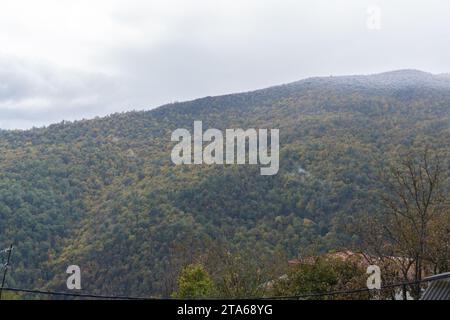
104	194
401	78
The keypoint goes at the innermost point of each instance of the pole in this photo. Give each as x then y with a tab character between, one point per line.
6	270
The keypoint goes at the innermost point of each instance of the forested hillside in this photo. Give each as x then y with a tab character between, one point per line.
104	194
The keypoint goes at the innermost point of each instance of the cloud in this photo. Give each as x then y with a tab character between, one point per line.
38	94
61	59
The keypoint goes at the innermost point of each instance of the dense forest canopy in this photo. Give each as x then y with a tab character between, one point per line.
104	194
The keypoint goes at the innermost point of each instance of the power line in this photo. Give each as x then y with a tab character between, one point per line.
55	293
100	296
353	291
297	297
82	295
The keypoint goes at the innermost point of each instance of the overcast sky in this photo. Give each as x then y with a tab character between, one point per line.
66	59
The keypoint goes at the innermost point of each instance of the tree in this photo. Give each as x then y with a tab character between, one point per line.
438	253
194	283
10	296
321	275
242	273
411	231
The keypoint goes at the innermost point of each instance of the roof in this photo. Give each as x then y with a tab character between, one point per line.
440	276
439	289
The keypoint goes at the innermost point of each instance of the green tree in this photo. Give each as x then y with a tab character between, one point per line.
320	275
194	283
10	296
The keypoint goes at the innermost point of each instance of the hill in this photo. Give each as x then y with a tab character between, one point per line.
104	194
